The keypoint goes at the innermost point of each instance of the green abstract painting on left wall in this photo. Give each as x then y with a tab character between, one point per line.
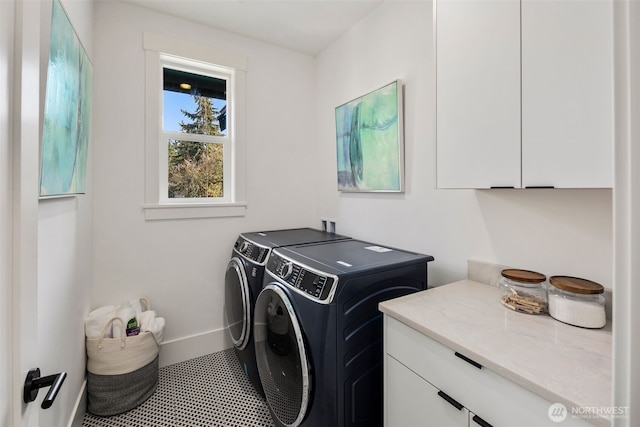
67	112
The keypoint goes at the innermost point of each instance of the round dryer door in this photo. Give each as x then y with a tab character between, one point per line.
237	304
282	359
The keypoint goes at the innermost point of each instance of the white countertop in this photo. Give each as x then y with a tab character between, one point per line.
559	362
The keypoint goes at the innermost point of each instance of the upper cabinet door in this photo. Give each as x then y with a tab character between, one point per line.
478	93
567	93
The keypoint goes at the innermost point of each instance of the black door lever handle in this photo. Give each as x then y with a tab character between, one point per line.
35	382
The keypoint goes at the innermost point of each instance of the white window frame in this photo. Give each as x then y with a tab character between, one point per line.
161	51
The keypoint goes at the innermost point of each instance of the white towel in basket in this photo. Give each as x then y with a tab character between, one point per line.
150	322
96	321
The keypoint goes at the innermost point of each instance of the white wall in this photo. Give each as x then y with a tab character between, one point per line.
180	264
6	64
551	231
65	262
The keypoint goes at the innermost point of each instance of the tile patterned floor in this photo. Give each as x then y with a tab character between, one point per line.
209	391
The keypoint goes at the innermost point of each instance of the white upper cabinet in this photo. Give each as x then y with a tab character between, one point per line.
567	93
524	93
478	93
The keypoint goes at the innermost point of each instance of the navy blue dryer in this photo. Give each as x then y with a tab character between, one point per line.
243	283
318	331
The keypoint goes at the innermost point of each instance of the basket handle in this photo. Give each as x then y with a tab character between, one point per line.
104	331
144	302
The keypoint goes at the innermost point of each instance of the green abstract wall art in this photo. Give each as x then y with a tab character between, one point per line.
370	146
67	111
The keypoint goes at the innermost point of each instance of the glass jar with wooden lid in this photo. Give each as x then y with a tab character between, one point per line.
576	301
524	291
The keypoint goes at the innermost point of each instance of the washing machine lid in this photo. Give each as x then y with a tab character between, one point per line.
294	236
315	270
256	246
350	257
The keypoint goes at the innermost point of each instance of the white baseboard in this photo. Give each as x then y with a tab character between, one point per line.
80	408
186	348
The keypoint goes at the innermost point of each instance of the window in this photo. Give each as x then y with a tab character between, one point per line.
194	102
194	116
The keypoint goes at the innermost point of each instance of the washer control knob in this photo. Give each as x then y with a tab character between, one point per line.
286	269
244	246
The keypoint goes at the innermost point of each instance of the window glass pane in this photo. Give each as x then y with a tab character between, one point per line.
194	103
195	169
174	104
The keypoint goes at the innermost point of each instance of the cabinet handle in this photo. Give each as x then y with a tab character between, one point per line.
480	421
466	359
539	186
451	400
494	187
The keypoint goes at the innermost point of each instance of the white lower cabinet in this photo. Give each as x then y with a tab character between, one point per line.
428	384
412	401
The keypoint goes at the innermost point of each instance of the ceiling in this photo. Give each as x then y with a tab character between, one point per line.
307	26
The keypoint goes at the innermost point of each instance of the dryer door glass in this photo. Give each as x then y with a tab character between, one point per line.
236	302
281	355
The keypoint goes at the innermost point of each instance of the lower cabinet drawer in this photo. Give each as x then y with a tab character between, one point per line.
491	396
412	401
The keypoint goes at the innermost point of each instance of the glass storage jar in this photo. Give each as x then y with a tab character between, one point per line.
524	291
576	301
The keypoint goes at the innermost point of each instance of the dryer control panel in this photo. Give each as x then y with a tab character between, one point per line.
251	251
312	283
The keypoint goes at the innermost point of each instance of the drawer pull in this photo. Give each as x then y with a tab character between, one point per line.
451	400
466	359
480	421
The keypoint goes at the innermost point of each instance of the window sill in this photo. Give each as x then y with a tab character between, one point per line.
193	211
